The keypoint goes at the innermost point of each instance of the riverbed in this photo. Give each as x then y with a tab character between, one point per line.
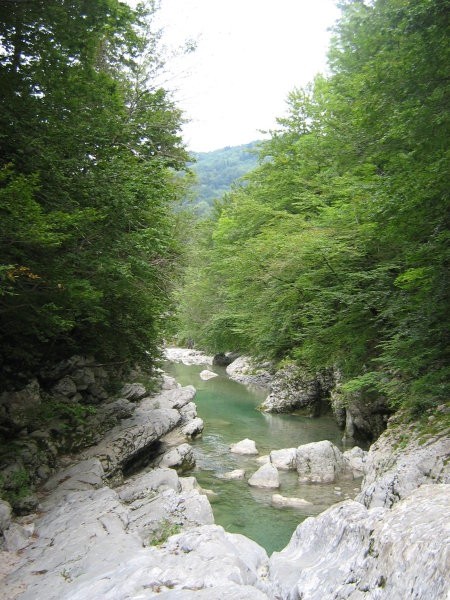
229	411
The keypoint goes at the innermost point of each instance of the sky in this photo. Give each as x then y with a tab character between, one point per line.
250	54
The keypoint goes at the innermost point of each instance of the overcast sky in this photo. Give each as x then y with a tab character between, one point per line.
250	54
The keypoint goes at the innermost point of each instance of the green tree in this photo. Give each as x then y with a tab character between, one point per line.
89	147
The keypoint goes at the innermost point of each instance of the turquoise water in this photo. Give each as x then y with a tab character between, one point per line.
229	412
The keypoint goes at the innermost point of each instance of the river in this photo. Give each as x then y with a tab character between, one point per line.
229	411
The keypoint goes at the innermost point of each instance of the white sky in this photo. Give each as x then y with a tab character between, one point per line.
250	54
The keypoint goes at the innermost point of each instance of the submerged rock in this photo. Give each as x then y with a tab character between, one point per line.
280	501
205	375
244	447
265	477
236	474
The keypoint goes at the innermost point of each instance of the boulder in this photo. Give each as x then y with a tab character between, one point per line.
291	388
265	477
181	457
246	446
193	428
224	359
244	370
284	459
206	374
349	552
280	501
320	462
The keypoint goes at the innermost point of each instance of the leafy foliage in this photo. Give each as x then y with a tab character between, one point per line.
336	250
89	147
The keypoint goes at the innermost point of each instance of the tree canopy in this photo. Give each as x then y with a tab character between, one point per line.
88	150
335	252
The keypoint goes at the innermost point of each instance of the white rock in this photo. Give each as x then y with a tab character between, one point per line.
245	371
244	447
320	462
16	537
262	460
265	477
182	457
205	375
284	502
356	460
187	356
349	552
236	474
284	459
193	428
393	471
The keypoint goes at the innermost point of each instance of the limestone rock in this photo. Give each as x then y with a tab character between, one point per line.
65	386
5	515
349	552
133	436
193	428
18	409
280	501
284	459
187	356
133	391
265	477
17	537
244	447
319	462
394	470
224	359
169	383
206	374
356	460
181	457
291	389
245	371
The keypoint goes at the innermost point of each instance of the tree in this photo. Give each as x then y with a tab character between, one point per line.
89	147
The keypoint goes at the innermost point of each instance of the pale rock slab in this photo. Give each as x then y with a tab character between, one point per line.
393	470
265	477
351	553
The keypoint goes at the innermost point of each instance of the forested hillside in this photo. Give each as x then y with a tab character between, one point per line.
216	171
88	149
335	254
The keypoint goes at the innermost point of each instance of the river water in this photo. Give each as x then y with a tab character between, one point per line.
229	411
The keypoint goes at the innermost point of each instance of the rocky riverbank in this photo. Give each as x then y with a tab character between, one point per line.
105	529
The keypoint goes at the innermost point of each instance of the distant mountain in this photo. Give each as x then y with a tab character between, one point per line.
217	170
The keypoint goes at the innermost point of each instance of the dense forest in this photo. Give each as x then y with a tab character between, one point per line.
89	148
334	254
216	171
